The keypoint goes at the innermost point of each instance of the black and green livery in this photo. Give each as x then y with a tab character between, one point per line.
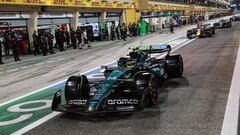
131	86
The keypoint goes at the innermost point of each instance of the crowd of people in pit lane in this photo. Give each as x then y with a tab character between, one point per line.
43	42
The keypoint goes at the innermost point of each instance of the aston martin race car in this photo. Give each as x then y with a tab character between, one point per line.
224	23
203	30
132	85
236	18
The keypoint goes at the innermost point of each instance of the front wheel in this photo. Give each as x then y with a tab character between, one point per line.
77	87
144	102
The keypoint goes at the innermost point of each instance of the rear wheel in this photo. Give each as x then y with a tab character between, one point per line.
174	66
77	87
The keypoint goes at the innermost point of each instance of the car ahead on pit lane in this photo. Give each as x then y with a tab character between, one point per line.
203	30
224	23
131	86
236	18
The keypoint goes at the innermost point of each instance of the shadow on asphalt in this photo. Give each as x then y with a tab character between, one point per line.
177	83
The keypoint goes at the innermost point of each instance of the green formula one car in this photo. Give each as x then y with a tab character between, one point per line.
131	86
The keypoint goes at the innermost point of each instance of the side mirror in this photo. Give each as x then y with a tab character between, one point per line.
104	67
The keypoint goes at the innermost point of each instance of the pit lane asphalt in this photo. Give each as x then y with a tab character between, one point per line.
192	105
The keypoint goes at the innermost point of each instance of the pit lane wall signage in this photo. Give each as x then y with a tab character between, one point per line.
74	3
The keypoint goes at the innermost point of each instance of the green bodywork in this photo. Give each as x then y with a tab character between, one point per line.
126	73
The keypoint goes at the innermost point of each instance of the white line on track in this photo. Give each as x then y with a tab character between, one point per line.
13	70
36	123
38	64
230	122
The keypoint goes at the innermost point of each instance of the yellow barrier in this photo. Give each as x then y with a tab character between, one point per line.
132	16
71	3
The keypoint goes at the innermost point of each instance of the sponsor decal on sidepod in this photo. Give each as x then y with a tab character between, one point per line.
123	101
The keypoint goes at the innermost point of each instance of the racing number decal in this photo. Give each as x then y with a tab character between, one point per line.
28	111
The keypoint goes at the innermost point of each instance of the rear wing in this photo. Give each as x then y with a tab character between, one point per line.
153	48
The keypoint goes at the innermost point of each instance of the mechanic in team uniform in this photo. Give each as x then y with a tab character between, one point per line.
36	43
86	37
73	38
171	27
15	46
7	42
50	42
124	31
61	40
67	37
79	37
1	43
44	43
118	31
113	34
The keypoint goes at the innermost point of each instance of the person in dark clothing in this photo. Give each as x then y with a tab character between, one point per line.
118	32
50	38
79	37
15	46
36	43
89	34
135	29
171	27
124	32
1	43
7	43
56	38
113	34
73	38
67	37
107	34
44	43
61	41
130	28
104	35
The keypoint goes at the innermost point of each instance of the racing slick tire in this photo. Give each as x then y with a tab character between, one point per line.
174	66
144	102
147	87
189	35
213	31
77	87
210	33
